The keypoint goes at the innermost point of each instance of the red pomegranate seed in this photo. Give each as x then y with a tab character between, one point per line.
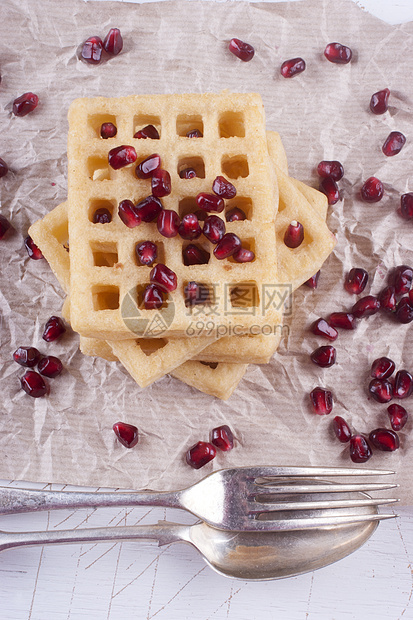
243	51
337	53
360	451
222	438
214	228
313	281
322	328
128	214
147	167
189	227
343	320
292	67
168	223
331	169
26	356
384	439
200	454
324	356
243	255
127	434
372	190
108	130
194	133
404	310
32	250
210	202
92	50
188	173
228	246
406	206
50	366
382	368
102	216
196	294
294	235
121	156
330	188
113	42
149	208
394	143
153	297
403	384
381	390
356	280
193	255
366	306
341	429
379	101
222	187
387	299
235	215
53	329
3	168
164	277
402	279
25	104
322	401
147	132
33	384
398	416
161	183
4	226
146	252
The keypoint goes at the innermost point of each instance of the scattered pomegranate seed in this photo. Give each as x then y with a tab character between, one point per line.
243	51
404	310
33	384
161	183
382	368
146	252
210	202
147	132
379	101
3	168
243	255
394	143
50	366
102	216
313	281
381	390
127	434
356	280
200	454
222	187
164	277
196	294
331	169
113	42
194	133
168	223
337	53
292	67
294	235
121	156
387	299
128	214
372	190
153	297
406	206
402	279
343	320
322	328
360	451
147	167
366	306
403	384
398	416
193	255
4	226
32	250
322	401
149	208
188	173
341	429
330	188
53	329
228	246
214	228
222	438
108	130
189	227
92	50
25	104
324	356
384	439
26	356
235	215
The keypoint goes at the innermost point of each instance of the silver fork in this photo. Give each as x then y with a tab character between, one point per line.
242	499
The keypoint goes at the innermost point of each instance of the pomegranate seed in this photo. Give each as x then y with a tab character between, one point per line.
188	173
222	438
50	366
214	228
404	310
32	250
92	50
53	329
292	67
402	279
200	454
387	299
108	130
343	320
127	434
153	297
394	143
113	42
244	256
330	188
341	429
356	280
384	439
331	169
403	384
102	216
164	277
322	401
313	281
372	190
210	202
322	328
294	235
33	384
122	156
324	356
228	246
193	255
337	53
381	390
382	368
3	168
26	356
235	215
243	51
161	183
25	103
128	214
398	416
149	208
196	294
4	226
360	451
189	227
168	223
147	132
366	306
222	187
146	252
406	206
379	101
195	133
147	167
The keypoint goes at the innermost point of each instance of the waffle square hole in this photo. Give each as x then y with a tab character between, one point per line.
96	121
242	202
205	296
212	365
97	204
198	249
248	244
244	295
61	233
105	253
105	298
187	205
196	163
231	124
159	323
151	345
142	120
98	169
235	167
160	254
187	122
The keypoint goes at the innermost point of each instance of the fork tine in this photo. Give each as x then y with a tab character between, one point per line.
267	489
283	525
258	507
271	472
